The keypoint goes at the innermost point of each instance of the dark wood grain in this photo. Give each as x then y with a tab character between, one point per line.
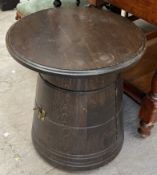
75	46
78	107
138	74
83	128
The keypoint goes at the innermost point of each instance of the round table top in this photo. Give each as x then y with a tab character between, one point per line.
75	41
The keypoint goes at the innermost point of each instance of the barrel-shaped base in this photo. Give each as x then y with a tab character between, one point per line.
78	121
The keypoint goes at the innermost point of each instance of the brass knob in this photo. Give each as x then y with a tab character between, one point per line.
41	113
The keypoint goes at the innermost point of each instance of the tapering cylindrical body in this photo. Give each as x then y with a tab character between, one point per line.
82	127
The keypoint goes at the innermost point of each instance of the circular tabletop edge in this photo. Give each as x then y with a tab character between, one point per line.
88	72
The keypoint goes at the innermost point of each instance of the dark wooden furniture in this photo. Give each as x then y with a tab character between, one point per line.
78	108
142	79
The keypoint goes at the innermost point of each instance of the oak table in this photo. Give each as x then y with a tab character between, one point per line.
78	107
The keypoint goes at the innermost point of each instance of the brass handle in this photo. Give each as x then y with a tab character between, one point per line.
41	113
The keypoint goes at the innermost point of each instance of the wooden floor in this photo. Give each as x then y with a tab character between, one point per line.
141	74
